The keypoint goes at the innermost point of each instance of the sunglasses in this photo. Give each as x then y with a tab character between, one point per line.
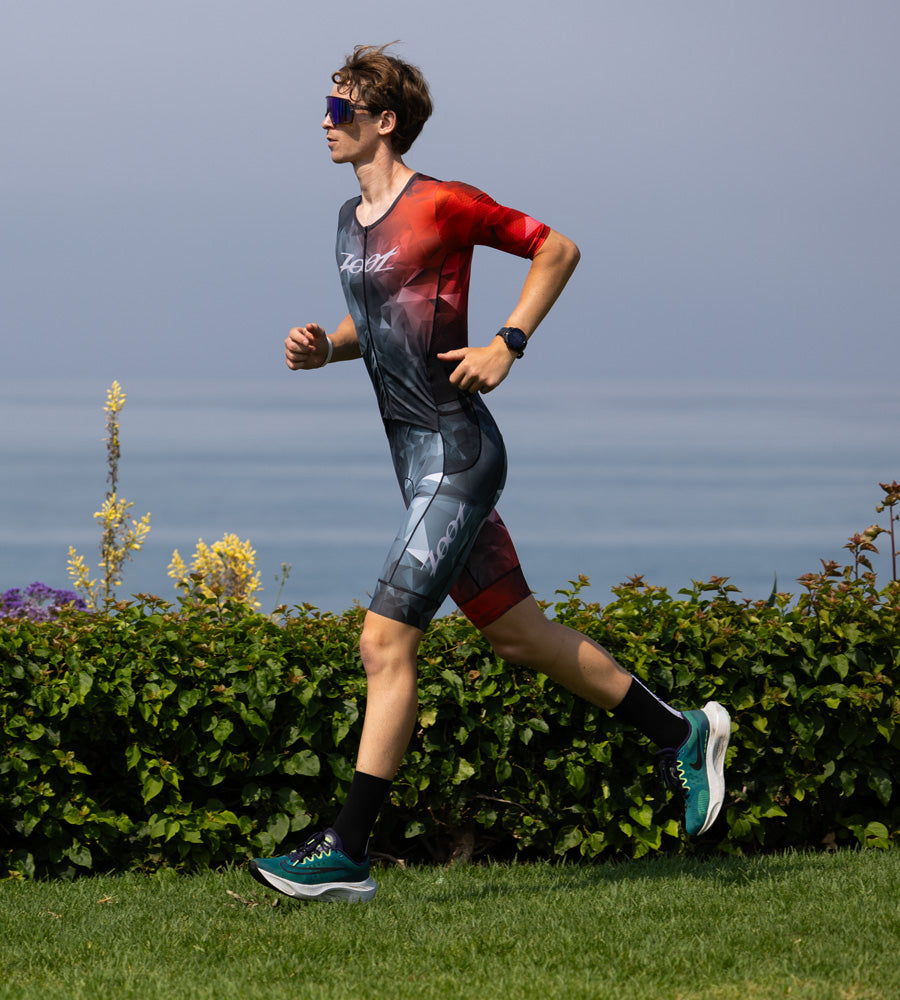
340	110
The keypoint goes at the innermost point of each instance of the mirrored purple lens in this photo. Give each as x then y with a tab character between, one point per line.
339	110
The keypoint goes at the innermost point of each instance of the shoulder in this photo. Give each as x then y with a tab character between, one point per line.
423	184
460	189
458	196
348	210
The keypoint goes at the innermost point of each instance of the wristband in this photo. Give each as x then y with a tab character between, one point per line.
328	356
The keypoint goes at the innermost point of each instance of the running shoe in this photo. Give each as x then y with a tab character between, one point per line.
318	869
696	769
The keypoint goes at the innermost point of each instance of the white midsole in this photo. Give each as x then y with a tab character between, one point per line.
719	735
348	891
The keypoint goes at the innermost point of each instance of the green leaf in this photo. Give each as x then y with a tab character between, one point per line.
188	699
151	787
643	816
303	762
222	730
877	831
464	771
455	684
576	776
568	838
79	854
279	827
880	783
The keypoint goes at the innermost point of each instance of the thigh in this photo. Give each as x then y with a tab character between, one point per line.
492	582
451	479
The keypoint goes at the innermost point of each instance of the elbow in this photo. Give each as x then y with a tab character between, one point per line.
570	255
566	250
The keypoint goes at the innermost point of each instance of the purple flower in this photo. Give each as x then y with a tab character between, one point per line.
38	602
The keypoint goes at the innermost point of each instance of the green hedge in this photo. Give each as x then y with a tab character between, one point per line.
156	735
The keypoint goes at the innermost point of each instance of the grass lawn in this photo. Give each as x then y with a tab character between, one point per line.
812	926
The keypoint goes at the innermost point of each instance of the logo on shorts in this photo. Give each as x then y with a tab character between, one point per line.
374	262
434	557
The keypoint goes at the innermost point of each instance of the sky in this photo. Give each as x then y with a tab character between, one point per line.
729	172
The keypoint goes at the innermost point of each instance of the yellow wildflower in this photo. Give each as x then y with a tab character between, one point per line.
227	569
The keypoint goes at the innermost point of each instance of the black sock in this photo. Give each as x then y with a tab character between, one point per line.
359	812
659	722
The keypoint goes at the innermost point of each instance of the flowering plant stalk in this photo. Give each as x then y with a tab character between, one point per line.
891	498
121	534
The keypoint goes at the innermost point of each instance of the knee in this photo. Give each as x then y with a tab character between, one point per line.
528	639
373	650
507	647
514	645
385	648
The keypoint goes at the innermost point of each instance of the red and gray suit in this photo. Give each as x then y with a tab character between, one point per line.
406	281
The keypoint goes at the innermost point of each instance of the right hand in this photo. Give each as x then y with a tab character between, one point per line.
306	347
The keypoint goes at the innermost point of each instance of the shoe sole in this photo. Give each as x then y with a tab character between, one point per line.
719	736
346	892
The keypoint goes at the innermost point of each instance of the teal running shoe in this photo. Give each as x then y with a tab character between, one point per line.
696	769
319	869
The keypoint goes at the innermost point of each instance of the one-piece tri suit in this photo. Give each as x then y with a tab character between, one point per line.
406	281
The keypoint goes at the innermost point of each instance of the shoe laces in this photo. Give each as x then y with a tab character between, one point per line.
315	845
670	772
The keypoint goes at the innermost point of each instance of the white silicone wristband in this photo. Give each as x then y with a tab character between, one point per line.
328	356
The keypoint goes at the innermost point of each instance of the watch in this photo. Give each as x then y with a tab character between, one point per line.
514	339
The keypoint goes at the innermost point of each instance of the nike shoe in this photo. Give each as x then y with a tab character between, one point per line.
319	869
697	767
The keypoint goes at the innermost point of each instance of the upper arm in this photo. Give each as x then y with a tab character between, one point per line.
469	217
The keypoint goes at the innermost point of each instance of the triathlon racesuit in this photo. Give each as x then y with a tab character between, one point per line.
406	281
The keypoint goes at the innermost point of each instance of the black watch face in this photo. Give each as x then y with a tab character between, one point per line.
516	340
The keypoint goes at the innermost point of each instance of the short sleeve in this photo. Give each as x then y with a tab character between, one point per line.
469	217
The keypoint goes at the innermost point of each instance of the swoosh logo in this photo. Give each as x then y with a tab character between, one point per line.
698	763
323	869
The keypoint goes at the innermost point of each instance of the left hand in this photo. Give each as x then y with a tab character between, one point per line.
480	369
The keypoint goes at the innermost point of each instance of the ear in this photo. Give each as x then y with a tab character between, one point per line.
387	122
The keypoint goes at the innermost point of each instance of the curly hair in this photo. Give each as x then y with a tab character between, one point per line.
386	83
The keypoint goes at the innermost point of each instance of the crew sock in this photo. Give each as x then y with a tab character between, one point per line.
659	722
358	814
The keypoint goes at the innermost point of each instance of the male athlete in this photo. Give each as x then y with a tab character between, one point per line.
404	249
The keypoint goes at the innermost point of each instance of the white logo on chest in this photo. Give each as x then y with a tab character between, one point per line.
370	264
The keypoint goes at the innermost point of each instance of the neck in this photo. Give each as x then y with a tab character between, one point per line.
380	182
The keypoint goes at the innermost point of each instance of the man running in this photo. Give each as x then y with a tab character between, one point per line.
404	250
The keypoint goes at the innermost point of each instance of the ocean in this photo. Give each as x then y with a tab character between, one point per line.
673	482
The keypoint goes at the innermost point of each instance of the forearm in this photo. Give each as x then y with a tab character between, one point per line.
345	341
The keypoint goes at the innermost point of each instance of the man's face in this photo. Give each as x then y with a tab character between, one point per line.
357	139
